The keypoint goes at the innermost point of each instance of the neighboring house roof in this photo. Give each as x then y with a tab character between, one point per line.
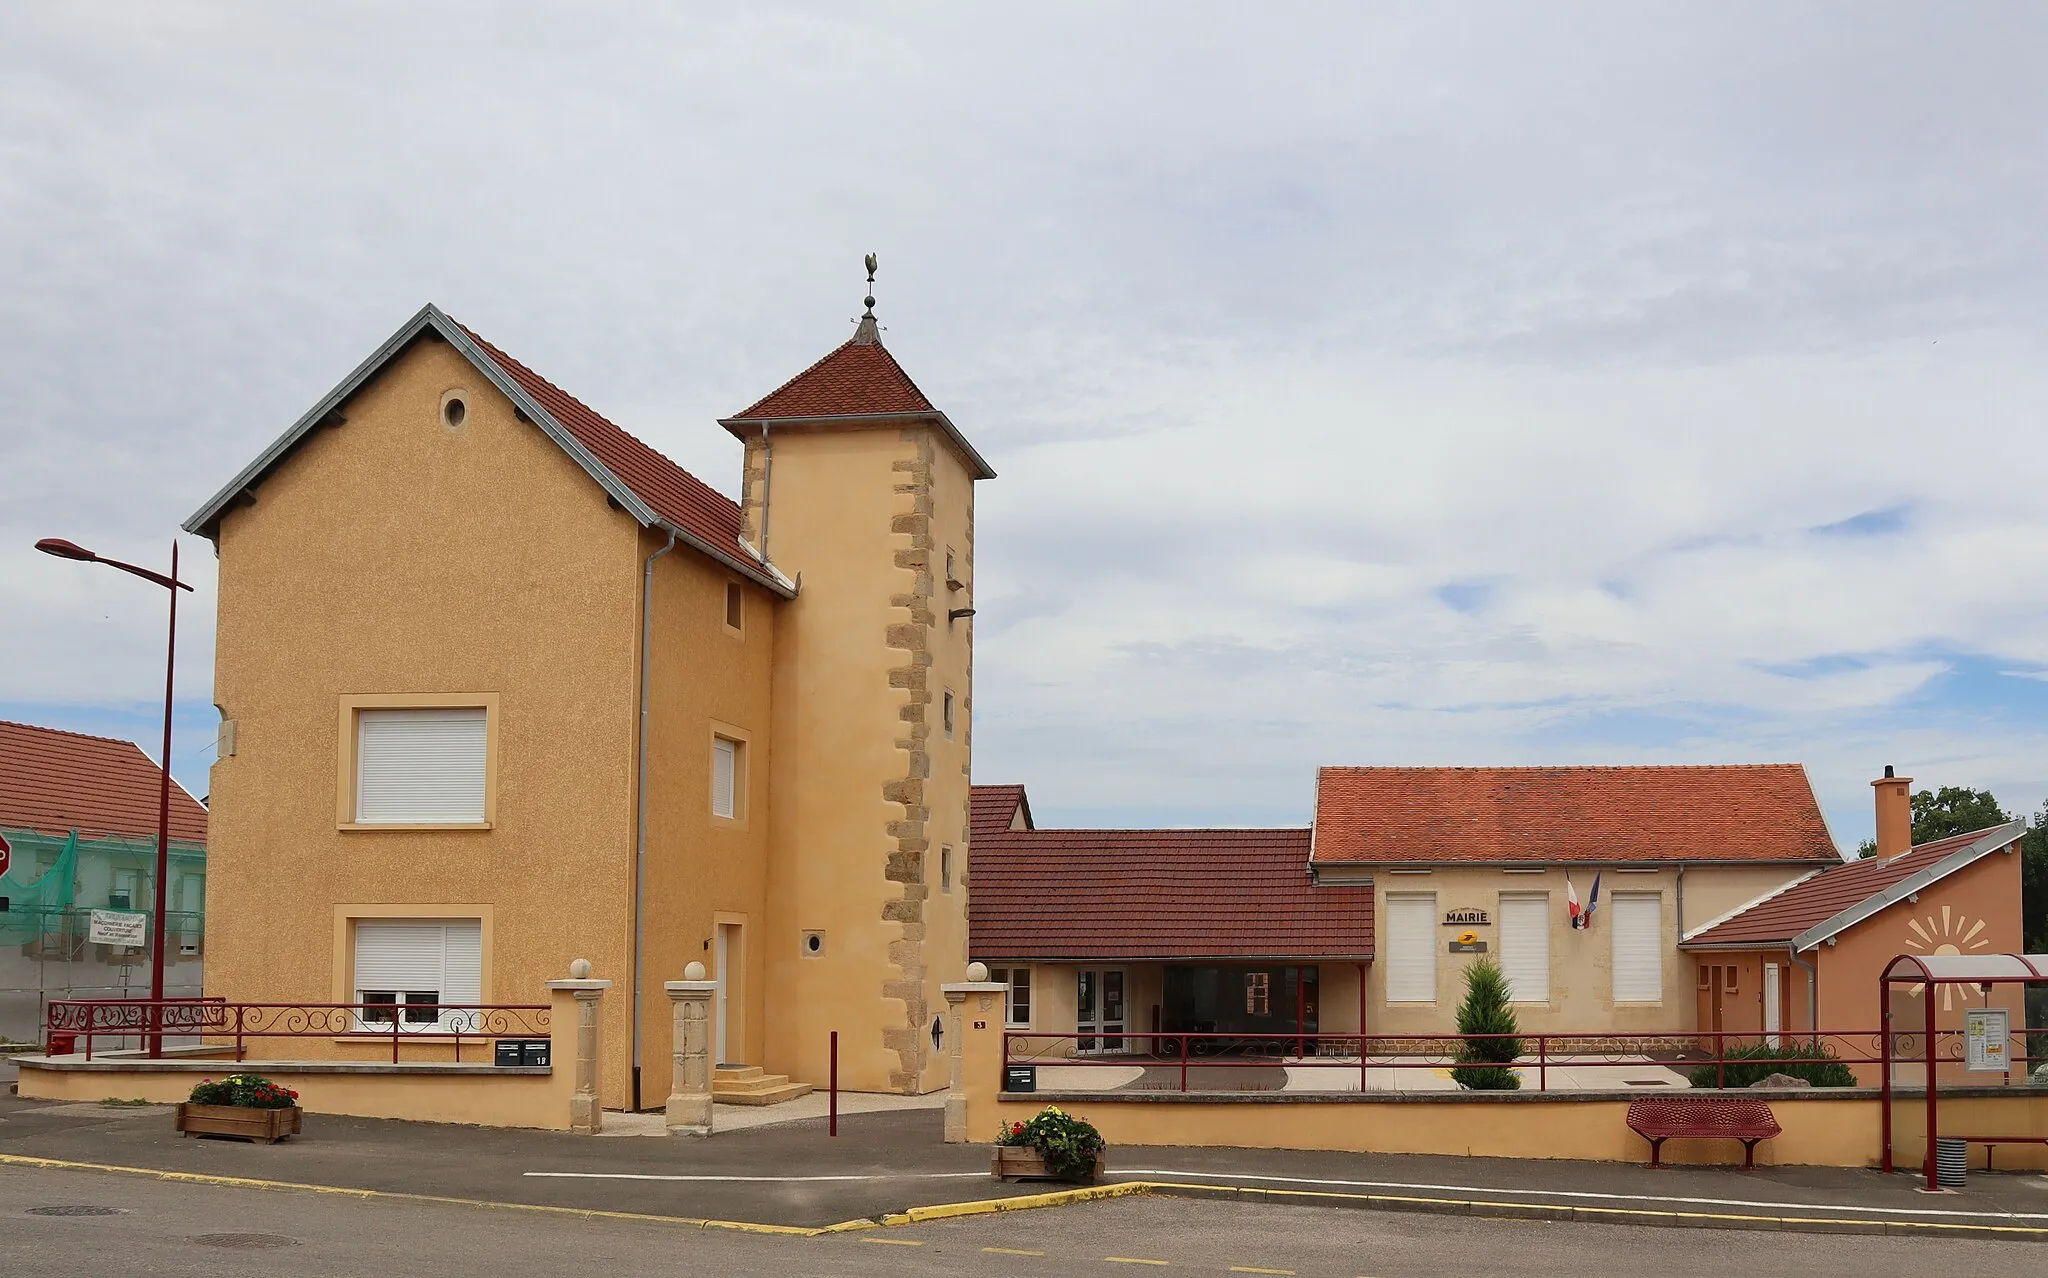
646	485
54	782
1492	816
1828	903
1157	894
857	379
993	809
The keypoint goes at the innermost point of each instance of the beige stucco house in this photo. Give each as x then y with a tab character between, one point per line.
501	687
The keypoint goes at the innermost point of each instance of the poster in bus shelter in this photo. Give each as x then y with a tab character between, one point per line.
1985	1031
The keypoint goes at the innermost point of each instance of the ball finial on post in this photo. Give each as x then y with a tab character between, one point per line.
977	972
579	970
693	971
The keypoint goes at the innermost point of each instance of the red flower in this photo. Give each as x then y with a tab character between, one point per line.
295	1095
1016	1129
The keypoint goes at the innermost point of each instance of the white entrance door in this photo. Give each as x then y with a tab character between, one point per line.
722	956
1772	1005
1099	1010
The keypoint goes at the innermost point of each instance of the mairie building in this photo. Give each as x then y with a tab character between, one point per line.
502	687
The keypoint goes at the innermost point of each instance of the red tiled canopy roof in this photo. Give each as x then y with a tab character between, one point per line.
992	808
1807	904
860	378
1750	812
672	492
54	782
1157	894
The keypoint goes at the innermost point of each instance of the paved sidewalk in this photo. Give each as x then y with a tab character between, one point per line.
793	1174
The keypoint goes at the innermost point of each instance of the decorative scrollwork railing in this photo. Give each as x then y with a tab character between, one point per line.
398	1024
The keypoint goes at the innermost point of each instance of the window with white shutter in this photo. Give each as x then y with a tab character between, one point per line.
1525	947
1638	929
1411	949
421	765
725	777
411	969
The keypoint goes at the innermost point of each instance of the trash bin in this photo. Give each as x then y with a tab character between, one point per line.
62	1044
1951	1162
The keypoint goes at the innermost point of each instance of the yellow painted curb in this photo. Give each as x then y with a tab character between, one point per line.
1023	1202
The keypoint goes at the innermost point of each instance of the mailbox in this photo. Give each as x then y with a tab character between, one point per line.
1020	1078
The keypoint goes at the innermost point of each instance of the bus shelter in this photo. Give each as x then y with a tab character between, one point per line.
1956	1017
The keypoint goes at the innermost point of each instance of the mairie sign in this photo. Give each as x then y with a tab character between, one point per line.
1467	918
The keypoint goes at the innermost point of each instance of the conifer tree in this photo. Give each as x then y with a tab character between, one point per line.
1487	1009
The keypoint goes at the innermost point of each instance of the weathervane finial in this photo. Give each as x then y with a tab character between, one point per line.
868	333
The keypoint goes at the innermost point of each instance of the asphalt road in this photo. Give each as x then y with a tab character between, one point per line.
142	1226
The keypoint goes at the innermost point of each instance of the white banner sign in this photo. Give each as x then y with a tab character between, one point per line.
114	927
1985	1034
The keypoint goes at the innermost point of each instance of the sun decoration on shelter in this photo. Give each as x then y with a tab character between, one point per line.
1953	933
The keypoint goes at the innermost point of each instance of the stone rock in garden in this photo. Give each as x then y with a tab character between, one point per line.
1779	1080
2040	1077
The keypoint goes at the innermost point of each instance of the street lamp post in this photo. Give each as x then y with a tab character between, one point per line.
68	550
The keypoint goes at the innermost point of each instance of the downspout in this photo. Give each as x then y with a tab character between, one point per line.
1812	993
640	789
767	485
1678	902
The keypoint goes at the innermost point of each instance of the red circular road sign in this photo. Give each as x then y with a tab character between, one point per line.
6	854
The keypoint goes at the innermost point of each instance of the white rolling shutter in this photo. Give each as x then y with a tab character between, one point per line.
1525	947
420	766
406	954
1638	926
1411	949
724	774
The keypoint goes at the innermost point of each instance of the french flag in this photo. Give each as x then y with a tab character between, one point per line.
1592	904
1571	903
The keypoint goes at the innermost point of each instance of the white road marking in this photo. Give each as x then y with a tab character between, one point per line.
1139	1174
755	1180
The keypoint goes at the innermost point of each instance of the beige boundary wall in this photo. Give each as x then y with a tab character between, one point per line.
419	1091
1824	1127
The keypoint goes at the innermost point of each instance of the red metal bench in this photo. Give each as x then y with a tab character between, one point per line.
1662	1119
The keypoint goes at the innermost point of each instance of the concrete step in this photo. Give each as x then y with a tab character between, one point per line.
747	1085
785	1091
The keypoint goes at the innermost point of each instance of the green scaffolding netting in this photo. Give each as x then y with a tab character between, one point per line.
42	881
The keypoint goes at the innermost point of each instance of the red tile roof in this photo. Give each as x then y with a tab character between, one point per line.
858	379
992	808
1157	894
55	782
1753	812
1776	919
672	492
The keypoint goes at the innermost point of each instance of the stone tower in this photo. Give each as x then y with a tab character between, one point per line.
861	491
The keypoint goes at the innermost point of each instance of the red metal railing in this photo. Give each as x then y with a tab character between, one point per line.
218	1020
1684	1052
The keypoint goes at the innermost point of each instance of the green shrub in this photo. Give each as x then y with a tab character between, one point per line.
1066	1143
1487	1009
1760	1060
250	1091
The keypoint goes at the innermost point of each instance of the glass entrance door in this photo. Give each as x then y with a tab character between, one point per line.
1099	1023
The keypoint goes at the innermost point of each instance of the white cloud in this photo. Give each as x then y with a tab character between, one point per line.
1277	324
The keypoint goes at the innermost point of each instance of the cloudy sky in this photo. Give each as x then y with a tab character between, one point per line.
1424	384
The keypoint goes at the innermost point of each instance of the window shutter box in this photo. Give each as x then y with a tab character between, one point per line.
1638	925
1525	947
420	766
1411	949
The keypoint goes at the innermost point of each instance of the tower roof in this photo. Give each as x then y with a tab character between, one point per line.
859	379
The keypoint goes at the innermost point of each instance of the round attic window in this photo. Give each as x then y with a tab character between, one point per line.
454	410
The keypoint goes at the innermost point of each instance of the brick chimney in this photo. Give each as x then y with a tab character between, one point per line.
1894	813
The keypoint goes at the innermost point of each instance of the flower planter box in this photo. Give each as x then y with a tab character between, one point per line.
1021	1162
266	1125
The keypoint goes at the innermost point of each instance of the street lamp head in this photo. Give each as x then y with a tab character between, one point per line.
65	549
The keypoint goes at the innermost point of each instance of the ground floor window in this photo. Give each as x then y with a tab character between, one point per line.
1411	948
1638	954
409	970
1017	999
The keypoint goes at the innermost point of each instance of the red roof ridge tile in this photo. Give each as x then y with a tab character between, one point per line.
87	736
